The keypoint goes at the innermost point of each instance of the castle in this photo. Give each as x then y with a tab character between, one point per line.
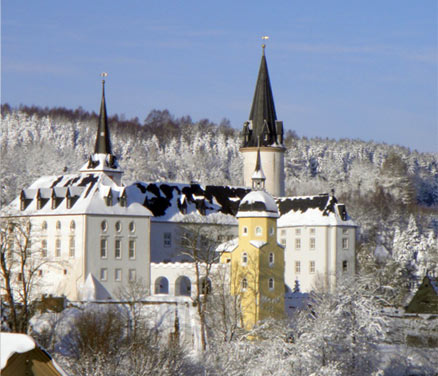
94	230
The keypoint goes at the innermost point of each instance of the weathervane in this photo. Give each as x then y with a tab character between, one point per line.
264	37
103	74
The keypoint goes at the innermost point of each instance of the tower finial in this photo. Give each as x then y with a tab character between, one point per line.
264	37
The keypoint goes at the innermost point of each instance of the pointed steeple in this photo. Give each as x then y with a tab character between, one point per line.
103	143
258	177
263	118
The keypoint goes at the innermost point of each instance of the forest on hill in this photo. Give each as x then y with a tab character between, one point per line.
389	190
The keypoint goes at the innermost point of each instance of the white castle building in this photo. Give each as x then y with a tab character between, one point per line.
92	227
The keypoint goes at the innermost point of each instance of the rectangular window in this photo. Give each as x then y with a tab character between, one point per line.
345	231
118	249
312	231
297	231
298	244
132	275
297	267
312	267
312	243
103	248
283	241
44	248
71	252
344	266
58	248
283	232
118	275
103	274
344	243
167	239
132	249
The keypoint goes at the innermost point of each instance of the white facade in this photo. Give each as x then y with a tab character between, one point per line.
272	163
316	256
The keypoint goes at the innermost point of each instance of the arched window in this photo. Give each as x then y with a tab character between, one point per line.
245	230
271	259
44	226
72	226
271	231
131	227
58	225
244	284
118	226
271	283
161	285
183	286
244	258
104	226
258	230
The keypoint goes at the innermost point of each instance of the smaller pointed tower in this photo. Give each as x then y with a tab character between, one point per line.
103	160
263	134
258	177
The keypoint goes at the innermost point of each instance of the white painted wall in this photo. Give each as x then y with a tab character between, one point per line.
272	161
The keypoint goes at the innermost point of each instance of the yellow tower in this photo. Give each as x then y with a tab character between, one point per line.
257	263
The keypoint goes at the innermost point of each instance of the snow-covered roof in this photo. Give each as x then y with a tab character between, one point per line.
83	193
93	290
258	243
11	343
258	204
97	193
228	246
318	210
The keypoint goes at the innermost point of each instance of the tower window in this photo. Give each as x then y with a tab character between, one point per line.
344	266
312	267
258	231
244	284
271	283
344	243
271	259
271	231
245	230
244	258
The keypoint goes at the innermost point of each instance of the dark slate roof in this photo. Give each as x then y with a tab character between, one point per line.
263	116
103	143
323	202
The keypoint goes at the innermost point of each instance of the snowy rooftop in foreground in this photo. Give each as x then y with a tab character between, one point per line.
11	343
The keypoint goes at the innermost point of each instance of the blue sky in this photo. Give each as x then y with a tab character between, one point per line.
339	69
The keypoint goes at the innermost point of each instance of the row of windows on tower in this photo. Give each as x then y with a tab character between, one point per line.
258	231
118	275
271	259
118	251
271	284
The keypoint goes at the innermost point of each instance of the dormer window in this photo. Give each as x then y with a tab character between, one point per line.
109	198
123	200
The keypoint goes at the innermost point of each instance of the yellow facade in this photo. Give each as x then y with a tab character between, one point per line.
257	270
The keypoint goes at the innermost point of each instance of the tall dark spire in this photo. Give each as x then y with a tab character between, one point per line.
263	118
103	143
